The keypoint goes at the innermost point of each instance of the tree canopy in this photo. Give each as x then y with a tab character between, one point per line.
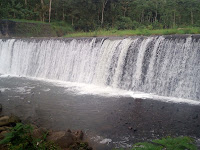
86	15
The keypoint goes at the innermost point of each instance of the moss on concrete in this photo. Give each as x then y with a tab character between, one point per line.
12	28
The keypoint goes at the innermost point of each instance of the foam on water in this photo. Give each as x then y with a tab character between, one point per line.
106	91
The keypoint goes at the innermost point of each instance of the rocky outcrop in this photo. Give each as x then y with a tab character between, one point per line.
8	120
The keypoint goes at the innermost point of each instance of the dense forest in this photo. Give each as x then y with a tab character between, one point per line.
88	15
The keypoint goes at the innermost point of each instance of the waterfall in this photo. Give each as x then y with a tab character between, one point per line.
163	65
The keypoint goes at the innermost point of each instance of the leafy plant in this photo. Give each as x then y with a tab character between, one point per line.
20	138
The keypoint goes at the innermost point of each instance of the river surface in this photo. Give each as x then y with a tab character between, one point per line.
110	118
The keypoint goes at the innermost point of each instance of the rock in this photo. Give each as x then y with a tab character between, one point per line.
79	135
62	138
1	108
4	128
69	131
38	133
130	128
4	121
8	120
2	134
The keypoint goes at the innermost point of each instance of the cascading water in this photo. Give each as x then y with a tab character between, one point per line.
164	65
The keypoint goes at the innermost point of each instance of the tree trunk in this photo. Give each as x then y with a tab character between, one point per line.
63	15
142	16
174	21
156	15
113	22
72	21
25	2
125	9
102	12
99	15
156	11
43	17
192	18
50	10
42	13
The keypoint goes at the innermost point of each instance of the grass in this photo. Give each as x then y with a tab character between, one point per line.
145	32
179	143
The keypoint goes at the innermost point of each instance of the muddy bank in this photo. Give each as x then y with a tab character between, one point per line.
107	121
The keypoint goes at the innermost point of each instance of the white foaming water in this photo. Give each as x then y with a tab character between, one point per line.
91	89
165	66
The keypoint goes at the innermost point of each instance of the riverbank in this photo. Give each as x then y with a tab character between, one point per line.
15	135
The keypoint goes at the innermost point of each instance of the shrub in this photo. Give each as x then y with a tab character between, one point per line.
62	28
135	25
124	23
157	25
20	138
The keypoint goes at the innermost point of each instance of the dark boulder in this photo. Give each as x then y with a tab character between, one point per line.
9	120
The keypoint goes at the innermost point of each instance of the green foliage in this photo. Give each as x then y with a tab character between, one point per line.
179	143
89	15
124	23
20	138
17	134
169	143
62	28
157	25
